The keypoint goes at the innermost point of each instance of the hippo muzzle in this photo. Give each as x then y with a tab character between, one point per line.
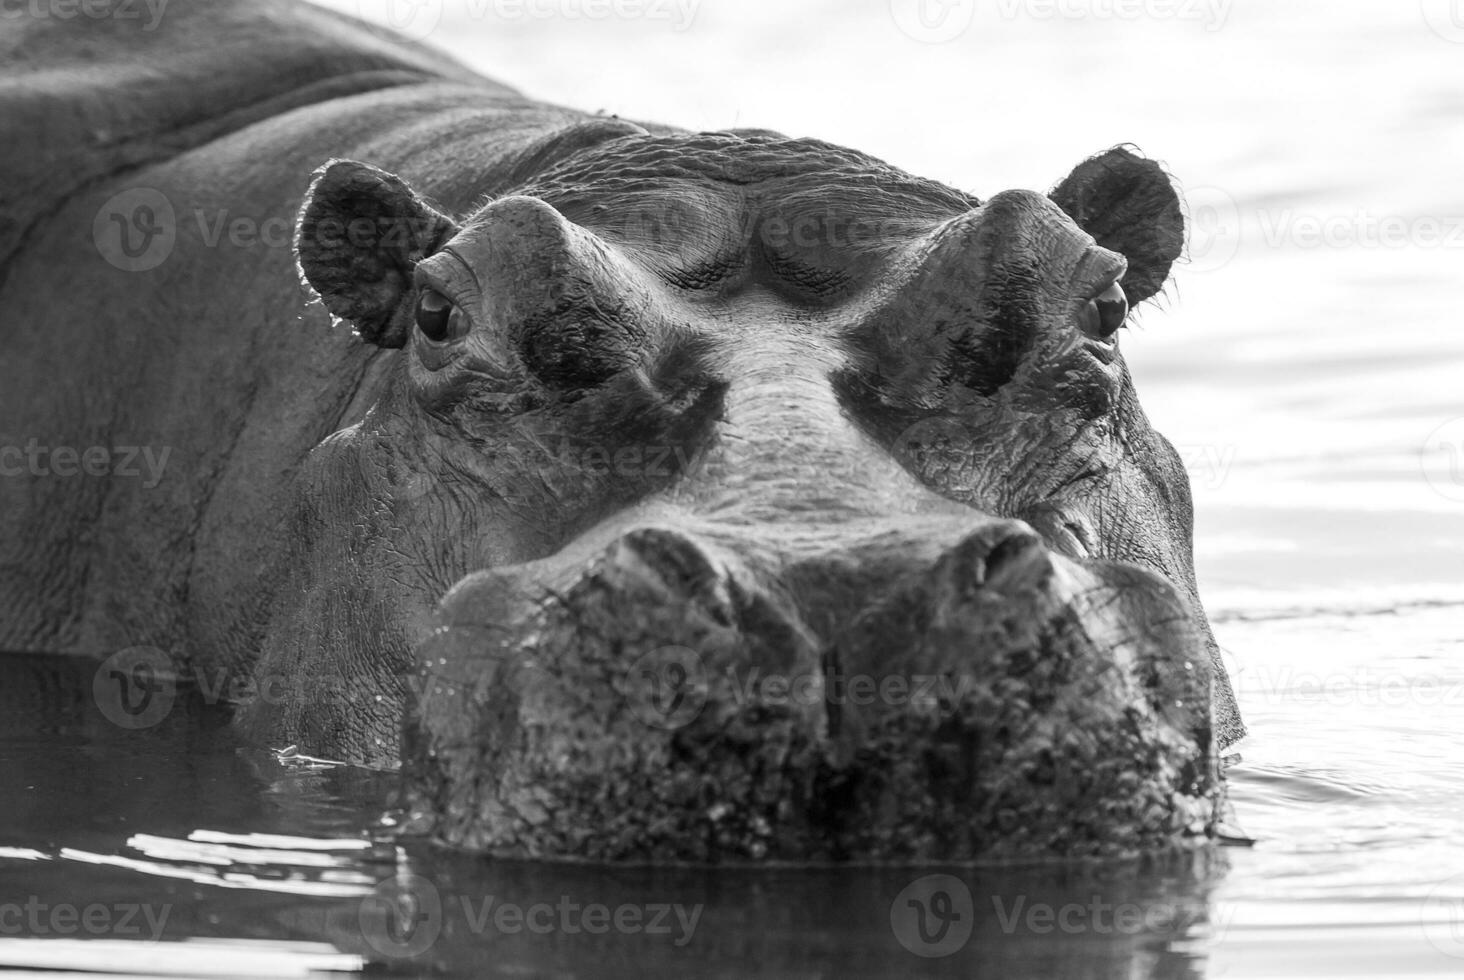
820	522
928	688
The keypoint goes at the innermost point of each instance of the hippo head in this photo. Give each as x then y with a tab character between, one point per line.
731	496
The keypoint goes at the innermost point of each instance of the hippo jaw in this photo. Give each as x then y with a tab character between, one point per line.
907	454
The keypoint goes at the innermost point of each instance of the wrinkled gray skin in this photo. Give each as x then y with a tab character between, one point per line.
631	420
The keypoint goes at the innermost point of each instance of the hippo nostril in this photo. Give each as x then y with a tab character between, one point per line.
982	563
682	566
1015	564
1009	550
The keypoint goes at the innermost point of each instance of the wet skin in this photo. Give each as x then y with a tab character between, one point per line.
676	496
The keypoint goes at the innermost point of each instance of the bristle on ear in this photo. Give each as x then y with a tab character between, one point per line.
1128	204
361	233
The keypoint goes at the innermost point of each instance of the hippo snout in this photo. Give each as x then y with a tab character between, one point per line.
901	689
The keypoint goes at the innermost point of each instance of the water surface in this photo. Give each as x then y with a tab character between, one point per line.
1307	362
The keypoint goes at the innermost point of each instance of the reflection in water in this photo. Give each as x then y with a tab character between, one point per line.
190	958
298	866
217	859
511	919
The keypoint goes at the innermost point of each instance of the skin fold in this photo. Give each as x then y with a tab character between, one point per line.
596	472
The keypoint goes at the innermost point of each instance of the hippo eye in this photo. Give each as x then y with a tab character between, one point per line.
435	314
1105	313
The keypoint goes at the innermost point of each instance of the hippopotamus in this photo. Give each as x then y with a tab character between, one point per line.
642	494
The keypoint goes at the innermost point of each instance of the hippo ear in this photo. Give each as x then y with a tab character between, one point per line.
361	233
1128	204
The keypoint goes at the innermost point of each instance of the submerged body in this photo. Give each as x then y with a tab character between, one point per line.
674	496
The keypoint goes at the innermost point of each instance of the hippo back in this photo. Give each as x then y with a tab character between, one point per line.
198	373
93	96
